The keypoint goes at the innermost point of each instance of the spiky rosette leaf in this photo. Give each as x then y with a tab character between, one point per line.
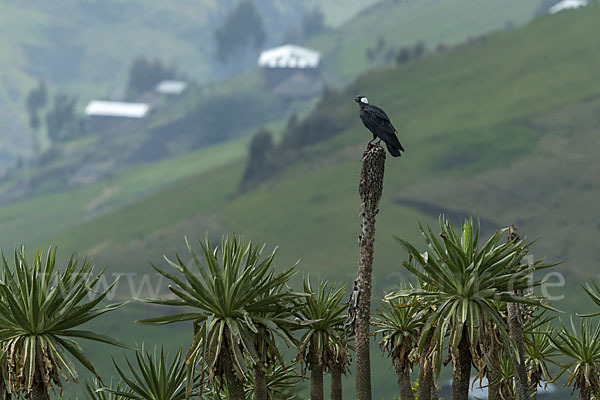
98	391
462	280
238	302
282	382
322	314
40	311
399	322
582	349
153	377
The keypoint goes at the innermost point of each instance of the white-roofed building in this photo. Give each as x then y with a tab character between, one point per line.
292	71
567	5
117	109
171	87
289	56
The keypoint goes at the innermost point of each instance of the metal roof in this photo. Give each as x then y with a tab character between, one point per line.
116	109
567	4
289	56
171	87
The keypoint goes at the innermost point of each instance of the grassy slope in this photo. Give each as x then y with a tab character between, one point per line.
459	114
86	48
105	153
423	15
337	13
463	115
42	217
79	47
404	23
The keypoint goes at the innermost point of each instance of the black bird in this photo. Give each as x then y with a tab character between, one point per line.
377	121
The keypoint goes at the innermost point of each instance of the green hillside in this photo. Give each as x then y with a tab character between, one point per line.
461	115
506	127
79	47
85	48
391	25
201	116
67	62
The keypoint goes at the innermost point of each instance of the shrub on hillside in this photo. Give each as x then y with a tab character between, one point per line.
259	166
144	74
61	121
410	53
35	101
324	122
242	27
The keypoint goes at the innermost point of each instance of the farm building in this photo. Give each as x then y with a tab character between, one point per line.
116	109
108	115
292	71
172	88
566	5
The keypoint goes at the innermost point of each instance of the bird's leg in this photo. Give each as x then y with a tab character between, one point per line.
379	141
374	137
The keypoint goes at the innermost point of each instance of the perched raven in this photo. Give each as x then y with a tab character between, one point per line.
379	123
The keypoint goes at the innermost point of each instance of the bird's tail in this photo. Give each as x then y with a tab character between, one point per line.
393	150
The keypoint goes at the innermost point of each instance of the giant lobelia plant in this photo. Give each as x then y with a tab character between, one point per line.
41	310
238	304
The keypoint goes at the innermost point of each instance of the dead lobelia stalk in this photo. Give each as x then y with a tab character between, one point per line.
515	329
370	189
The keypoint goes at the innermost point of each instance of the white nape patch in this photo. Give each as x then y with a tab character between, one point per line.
364	100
